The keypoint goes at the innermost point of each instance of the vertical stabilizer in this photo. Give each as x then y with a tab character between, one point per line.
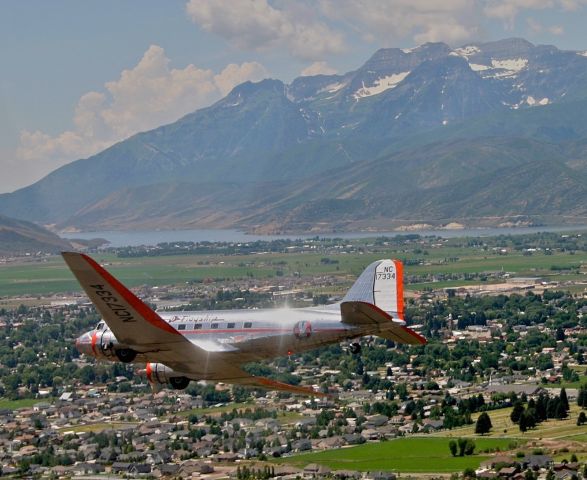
381	284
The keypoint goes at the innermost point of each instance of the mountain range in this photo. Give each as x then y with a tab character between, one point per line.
484	134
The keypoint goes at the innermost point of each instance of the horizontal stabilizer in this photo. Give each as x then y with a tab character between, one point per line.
377	322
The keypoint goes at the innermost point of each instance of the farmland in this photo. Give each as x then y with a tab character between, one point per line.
430	263
421	454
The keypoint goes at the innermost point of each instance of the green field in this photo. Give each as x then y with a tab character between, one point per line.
503	427
51	275
16	404
567	385
420	454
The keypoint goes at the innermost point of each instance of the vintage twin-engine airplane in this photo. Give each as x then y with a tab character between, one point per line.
212	345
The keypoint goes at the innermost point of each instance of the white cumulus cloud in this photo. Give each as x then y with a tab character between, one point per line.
508	10
259	25
144	97
537	27
318	68
389	21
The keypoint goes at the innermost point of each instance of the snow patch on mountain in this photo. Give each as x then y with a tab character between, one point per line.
478	68
509	67
535	103
238	102
466	51
515	64
381	84
333	87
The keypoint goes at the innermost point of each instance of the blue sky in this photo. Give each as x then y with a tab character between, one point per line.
78	76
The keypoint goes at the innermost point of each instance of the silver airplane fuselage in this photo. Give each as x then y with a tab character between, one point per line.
247	335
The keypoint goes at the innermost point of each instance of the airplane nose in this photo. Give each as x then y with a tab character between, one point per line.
83	344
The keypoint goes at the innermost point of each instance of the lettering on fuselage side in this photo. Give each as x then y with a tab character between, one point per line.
113	303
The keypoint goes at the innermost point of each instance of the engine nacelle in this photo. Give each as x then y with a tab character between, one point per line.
158	373
99	344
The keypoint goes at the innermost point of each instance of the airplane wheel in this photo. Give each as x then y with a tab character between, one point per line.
126	355
179	383
355	348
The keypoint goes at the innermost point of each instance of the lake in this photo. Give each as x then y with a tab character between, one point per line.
153	237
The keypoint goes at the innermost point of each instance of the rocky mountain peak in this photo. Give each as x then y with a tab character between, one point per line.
268	132
250	89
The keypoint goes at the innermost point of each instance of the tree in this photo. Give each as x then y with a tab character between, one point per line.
541	406
582	396
564	399
522	423
462	442
517	412
469	473
452	446
470	447
529	475
582	419
483	424
561	411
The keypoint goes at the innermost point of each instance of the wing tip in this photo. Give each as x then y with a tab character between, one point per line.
286	387
419	338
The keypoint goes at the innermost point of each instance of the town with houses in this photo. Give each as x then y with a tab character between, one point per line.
490	350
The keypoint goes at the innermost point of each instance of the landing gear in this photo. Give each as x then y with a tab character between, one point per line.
126	355
355	348
179	383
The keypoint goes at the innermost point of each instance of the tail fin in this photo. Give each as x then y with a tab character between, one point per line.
376	303
381	284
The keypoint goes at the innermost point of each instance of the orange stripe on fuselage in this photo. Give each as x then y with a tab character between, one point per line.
142	309
399	282
94	341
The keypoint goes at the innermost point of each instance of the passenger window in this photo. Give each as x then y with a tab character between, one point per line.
181	327
214	326
230	325
198	326
248	324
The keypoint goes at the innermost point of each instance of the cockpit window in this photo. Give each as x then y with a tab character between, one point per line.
100	326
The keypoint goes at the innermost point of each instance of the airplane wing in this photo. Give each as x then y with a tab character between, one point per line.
377	322
139	327
128	317
133	323
269	384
